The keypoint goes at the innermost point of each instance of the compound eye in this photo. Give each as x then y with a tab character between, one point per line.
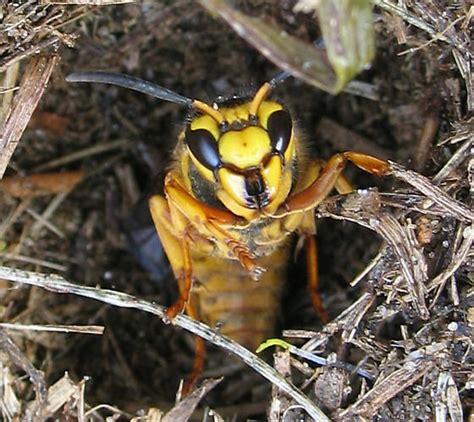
279	127
203	146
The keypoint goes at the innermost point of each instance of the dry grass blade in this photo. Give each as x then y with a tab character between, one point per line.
63	392
409	17
279	401
13	216
350	319
83	329
35	261
20	55
459	256
447	399
465	68
386	388
8	88
455	161
42	220
84	153
90	2
455	208
58	284
10	406
17	357
185	408
411	259
31	90
364	208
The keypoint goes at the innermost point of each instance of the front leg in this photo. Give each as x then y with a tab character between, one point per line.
317	191
210	222
319	184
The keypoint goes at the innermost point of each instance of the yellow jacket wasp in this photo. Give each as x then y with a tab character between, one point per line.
239	185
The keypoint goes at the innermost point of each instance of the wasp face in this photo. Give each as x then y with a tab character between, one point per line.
247	156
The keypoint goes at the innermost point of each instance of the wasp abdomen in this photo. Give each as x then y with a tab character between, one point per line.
228	298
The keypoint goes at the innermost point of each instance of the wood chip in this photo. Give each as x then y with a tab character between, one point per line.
41	184
31	90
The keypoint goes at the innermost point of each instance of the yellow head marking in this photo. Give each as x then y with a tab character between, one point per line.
206	122
266	109
244	148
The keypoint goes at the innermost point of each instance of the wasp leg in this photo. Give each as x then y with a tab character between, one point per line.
176	248
193	208
317	191
343	186
185	283
313	277
210	223
199	354
308	233
177	251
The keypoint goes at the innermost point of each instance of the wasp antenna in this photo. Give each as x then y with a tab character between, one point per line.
265	90
207	109
259	97
279	78
131	82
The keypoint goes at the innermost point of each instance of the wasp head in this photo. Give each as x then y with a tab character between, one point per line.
247	151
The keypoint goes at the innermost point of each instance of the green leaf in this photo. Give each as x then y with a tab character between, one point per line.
348	35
